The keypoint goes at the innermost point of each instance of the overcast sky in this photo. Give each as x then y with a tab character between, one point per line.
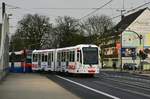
39	6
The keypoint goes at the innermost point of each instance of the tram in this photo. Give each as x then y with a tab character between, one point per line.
20	61
79	59
43	60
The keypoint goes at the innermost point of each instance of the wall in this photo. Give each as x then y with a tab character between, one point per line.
4	48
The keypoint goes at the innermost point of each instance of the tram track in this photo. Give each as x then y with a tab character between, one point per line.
124	88
135	78
128	82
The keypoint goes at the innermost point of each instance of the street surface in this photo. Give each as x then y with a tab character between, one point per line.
106	85
32	86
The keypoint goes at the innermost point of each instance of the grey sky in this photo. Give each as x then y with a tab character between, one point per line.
28	6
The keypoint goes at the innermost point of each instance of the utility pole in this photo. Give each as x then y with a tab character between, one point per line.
3	9
122	16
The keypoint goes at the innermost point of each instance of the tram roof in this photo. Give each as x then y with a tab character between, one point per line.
17	52
66	48
45	50
78	46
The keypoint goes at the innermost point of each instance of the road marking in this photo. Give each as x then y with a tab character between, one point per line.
134	92
97	91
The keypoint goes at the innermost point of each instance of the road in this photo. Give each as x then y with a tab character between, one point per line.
106	85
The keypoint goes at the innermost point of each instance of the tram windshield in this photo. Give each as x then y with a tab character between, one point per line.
90	55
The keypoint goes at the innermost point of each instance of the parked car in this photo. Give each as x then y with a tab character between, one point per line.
130	66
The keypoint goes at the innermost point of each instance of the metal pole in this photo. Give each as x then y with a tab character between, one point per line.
121	53
141	43
122	16
3	9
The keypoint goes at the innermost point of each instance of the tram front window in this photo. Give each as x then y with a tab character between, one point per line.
90	55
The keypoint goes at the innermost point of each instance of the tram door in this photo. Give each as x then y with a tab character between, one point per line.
44	63
79	58
39	60
67	59
49	60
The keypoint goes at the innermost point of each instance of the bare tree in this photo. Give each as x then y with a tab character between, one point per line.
31	31
67	31
95	27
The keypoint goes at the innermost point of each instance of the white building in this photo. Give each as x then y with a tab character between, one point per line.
128	32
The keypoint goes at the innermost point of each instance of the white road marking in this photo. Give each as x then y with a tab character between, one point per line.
130	91
92	89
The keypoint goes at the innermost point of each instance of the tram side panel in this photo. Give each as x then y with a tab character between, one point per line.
43	60
71	60
35	62
50	61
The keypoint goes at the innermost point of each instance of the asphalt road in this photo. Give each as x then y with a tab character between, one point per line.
106	85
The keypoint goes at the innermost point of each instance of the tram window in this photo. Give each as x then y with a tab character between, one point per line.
67	56
39	57
58	56
49	57
78	54
42	57
49	60
61	54
80	57
35	57
72	54
52	56
64	56
90	55
17	58
45	56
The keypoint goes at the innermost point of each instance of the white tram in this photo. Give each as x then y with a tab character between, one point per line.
43	60
80	59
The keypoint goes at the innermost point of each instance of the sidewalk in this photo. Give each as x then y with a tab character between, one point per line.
32	86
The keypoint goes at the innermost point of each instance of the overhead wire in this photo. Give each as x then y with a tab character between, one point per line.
131	10
96	10
72	8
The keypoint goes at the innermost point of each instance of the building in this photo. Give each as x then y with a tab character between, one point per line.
132	33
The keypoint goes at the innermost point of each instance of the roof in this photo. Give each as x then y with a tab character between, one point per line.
127	20
77	46
17	52
65	48
45	50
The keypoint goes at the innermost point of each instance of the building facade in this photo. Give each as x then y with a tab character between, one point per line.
128	37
